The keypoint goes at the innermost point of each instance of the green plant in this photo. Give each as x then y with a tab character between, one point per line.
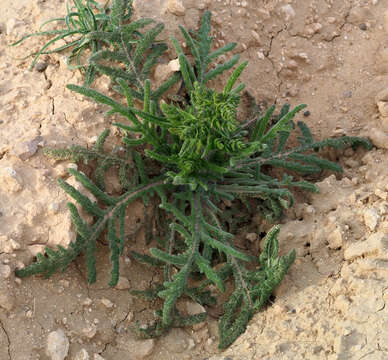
187	160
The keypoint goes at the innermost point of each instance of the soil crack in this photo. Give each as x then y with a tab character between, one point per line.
8	340
268	56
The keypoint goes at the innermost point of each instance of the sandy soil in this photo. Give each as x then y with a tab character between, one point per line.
331	55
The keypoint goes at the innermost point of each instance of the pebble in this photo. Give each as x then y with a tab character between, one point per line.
11	25
98	357
347	94
378	138
176	7
251	237
82	355
371	218
307	113
123	283
5	271
41	66
57	345
256	37
36	249
376	244
144	348
164	71
335	239
194	308
107	303
176	341
359	15
90	331
383	108
10	180
87	302
288	12
363	27
378	192
26	149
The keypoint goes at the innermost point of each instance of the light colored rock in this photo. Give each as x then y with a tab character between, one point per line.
164	71
335	239
8	245
98	357
107	303
371	218
375	245
10	180
143	349
5	271
379	138
57	345
176	7
382	95
90	331
381	194
256	37
11	25
288	12
359	15
383	108
82	355
36	249
123	283
251	237
176	341
26	149
7	300
194	308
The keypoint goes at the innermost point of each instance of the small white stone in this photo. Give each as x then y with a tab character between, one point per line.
10	181
107	303
194	308
255	36
90	331
251	237
87	302
36	249
176	7
335	239
98	357
26	149
82	355
57	345
375	245
143	349
5	271
123	283
288	12
371	218
129	317
174	65
381	194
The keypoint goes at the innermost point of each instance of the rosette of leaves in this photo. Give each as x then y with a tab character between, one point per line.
203	156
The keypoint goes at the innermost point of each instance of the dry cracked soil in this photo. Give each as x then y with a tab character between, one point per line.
329	54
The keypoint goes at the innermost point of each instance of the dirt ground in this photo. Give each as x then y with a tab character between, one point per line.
329	54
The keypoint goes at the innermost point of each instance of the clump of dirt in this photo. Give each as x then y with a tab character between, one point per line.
331	55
